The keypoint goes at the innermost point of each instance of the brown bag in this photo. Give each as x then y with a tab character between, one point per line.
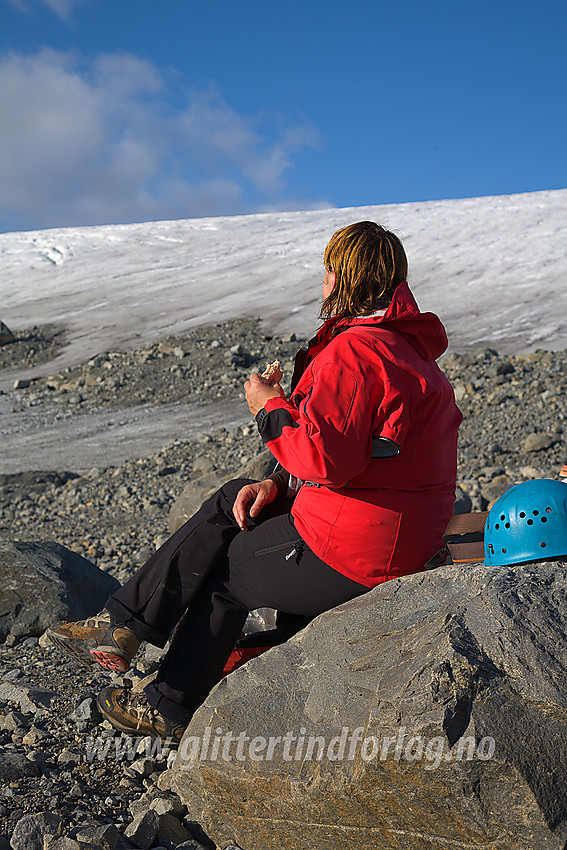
464	537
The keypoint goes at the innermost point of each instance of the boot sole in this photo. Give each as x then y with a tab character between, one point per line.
89	652
67	648
109	660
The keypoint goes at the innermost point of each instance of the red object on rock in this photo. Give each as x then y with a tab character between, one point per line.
240	656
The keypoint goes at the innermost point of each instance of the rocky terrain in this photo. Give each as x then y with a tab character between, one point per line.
514	429
30	347
64	772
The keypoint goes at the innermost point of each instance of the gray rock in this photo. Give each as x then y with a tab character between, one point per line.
42	583
87	711
537	442
14	720
143	829
14	765
171	831
63	842
162	800
495	488
105	836
463	503
69	759
142	767
202	465
259	467
34	736
31	830
171	805
6	335
456	682
28	697
191	498
195	492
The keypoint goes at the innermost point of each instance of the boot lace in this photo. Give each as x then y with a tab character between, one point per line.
137	704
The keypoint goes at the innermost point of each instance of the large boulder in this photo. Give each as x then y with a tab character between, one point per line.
198	489
6	335
42	583
427	713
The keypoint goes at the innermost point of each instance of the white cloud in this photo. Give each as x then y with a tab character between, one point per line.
62	8
91	142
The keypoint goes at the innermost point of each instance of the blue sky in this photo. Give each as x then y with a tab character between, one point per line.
129	110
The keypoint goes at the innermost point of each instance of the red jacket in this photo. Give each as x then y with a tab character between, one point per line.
371	519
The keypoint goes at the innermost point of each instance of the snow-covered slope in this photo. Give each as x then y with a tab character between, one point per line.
494	268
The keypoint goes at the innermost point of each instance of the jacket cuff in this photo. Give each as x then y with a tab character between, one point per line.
260	418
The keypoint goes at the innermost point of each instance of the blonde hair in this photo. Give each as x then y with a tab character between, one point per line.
369	262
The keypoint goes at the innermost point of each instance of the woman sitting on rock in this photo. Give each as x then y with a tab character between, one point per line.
367	444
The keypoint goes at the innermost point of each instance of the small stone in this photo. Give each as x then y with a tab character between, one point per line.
105	836
495	488
22	384
14	720
141	556
498	396
15	673
86	712
76	790
68	759
168	805
143	767
530	472
463	503
537	442
34	736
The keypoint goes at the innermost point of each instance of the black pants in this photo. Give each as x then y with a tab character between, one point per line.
203	582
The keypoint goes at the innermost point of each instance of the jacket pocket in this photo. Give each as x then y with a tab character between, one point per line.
289	544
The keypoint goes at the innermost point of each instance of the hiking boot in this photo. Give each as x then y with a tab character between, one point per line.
99	638
129	711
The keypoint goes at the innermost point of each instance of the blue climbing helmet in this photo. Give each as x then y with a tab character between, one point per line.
527	523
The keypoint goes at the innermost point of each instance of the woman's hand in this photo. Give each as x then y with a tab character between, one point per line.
257	495
258	391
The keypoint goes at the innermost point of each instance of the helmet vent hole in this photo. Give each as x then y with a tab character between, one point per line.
491	548
535	513
504	551
522	514
507	525
497	526
543	545
543	519
502	517
548	510
530	522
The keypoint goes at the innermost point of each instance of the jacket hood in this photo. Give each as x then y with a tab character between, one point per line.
424	331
